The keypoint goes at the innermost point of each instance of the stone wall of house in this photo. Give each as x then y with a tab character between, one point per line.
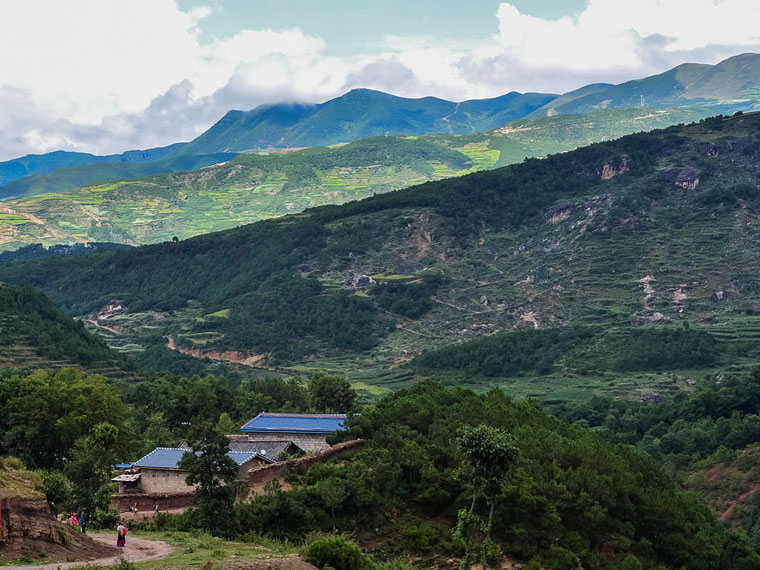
146	502
309	442
158	481
258	478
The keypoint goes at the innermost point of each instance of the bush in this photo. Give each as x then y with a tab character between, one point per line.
9	463
336	552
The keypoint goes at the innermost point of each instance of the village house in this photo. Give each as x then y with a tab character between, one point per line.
159	472
308	431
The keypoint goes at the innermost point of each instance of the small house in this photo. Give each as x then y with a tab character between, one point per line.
159	471
308	431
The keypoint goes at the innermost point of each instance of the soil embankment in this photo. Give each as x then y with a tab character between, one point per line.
30	531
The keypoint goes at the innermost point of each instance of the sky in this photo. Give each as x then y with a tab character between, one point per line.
104	76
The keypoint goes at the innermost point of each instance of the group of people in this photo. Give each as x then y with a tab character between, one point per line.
79	521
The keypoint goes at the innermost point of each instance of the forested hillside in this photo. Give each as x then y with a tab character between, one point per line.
651	230
34	333
568	497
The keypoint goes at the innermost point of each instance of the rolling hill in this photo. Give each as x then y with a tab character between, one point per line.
31	164
252	187
648	240
731	85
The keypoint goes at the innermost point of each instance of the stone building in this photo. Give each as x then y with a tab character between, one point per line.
307	431
159	472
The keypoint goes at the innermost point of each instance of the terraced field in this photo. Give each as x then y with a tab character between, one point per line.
263	185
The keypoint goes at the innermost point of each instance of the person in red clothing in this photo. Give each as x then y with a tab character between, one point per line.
121	535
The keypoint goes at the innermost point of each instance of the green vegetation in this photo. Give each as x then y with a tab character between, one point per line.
707	436
603	238
33	332
569	496
582	349
258	186
16	481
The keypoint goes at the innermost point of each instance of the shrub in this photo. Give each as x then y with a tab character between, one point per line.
9	463
336	552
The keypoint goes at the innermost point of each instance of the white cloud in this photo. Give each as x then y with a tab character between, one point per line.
102	76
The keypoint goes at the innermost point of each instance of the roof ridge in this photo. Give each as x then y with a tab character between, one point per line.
295	415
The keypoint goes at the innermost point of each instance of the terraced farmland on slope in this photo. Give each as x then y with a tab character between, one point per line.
259	186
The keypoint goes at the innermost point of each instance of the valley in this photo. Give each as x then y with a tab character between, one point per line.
344	329
647	232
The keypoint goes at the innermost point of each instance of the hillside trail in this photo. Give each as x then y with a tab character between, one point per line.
136	550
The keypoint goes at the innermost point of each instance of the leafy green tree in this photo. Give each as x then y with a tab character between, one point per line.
331	394
90	466
57	490
210	468
225	424
489	452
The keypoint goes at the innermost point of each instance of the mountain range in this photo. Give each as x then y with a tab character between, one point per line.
728	86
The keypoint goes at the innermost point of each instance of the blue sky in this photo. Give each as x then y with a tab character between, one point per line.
348	25
105	76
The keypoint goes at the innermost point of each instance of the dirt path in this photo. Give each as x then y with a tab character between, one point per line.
109	329
136	550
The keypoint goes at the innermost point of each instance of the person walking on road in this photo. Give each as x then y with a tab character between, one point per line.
83	522
121	535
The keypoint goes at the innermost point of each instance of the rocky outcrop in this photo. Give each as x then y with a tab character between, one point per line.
709	149
687	178
720	296
559	213
30	530
613	168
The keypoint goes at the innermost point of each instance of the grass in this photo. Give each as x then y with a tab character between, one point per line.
221	314
197	549
18	482
391	277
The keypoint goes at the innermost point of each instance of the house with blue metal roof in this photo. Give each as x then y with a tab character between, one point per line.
159	471
307	431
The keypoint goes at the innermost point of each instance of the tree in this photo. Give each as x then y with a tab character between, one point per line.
489	453
331	394
210	468
90	466
225	424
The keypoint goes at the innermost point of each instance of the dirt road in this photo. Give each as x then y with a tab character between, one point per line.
136	550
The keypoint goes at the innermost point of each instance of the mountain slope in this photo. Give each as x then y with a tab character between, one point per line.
11	170
257	186
70	178
34	333
651	228
732	84
359	114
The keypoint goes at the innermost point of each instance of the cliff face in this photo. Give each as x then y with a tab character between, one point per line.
29	530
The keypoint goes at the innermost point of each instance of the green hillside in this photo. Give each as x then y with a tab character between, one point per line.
731	85
17	168
76	176
258	186
648	240
34	333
